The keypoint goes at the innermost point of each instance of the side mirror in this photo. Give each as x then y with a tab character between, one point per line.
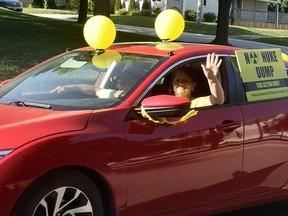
4	82
165	106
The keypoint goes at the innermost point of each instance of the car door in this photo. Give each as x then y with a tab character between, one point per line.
176	167
265	145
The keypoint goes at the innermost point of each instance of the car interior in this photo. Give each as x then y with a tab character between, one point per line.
164	86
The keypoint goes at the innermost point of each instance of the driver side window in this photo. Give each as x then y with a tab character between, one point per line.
194	71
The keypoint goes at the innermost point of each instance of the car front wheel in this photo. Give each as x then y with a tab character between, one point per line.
61	193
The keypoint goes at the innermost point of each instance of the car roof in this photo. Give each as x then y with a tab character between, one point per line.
152	48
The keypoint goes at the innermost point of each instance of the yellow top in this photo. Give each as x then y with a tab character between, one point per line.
199	102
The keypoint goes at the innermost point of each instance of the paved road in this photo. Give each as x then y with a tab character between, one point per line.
185	37
200	38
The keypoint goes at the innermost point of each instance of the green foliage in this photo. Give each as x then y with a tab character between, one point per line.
134	12
145	5
209	17
122	11
37	4
50	4
47	4
118	5
132	5
157	11
190	15
72	5
145	12
284	6
91	5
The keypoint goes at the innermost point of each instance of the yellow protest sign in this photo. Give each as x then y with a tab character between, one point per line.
263	73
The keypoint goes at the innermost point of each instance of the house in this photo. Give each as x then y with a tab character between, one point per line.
180	5
253	13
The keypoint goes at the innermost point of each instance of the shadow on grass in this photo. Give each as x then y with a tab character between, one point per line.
27	40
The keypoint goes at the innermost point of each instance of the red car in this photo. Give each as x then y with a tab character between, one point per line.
65	151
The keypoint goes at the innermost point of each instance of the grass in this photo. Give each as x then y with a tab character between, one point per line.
26	40
272	36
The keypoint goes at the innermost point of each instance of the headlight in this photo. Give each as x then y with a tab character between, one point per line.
3	153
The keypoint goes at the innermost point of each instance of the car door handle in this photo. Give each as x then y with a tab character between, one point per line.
228	125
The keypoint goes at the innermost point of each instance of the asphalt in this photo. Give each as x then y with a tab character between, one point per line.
185	37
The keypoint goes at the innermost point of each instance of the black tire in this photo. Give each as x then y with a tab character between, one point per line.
59	194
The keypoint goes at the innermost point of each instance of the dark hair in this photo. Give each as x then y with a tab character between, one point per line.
192	74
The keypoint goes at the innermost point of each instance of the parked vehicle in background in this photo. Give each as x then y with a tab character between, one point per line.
14	5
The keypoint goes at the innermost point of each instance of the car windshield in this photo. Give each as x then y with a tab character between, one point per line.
70	81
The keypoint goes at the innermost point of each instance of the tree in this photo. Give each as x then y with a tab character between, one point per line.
37	4
284	6
83	9
51	4
102	7
146	5
222	31
132	5
199	12
118	5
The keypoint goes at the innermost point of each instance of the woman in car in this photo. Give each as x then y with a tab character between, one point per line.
184	82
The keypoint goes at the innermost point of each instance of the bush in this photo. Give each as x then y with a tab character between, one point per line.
134	12
72	5
132	5
145	5
157	11
51	4
122	11
91	5
37	4
209	17
145	13
190	15
118	5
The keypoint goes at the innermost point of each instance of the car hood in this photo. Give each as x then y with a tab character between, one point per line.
20	125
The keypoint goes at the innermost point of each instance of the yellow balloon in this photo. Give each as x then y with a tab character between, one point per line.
169	25
285	57
99	32
105	59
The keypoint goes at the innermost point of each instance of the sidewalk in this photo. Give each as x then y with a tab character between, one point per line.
185	37
200	38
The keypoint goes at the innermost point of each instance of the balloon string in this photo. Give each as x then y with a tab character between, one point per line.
162	120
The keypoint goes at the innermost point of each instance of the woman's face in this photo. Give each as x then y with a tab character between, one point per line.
183	85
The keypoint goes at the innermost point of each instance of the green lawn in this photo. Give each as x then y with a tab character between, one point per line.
26	40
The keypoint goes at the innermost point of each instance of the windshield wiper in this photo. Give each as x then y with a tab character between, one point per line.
30	104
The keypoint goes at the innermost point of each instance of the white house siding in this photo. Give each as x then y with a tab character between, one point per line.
174	4
254	5
161	4
211	6
253	10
